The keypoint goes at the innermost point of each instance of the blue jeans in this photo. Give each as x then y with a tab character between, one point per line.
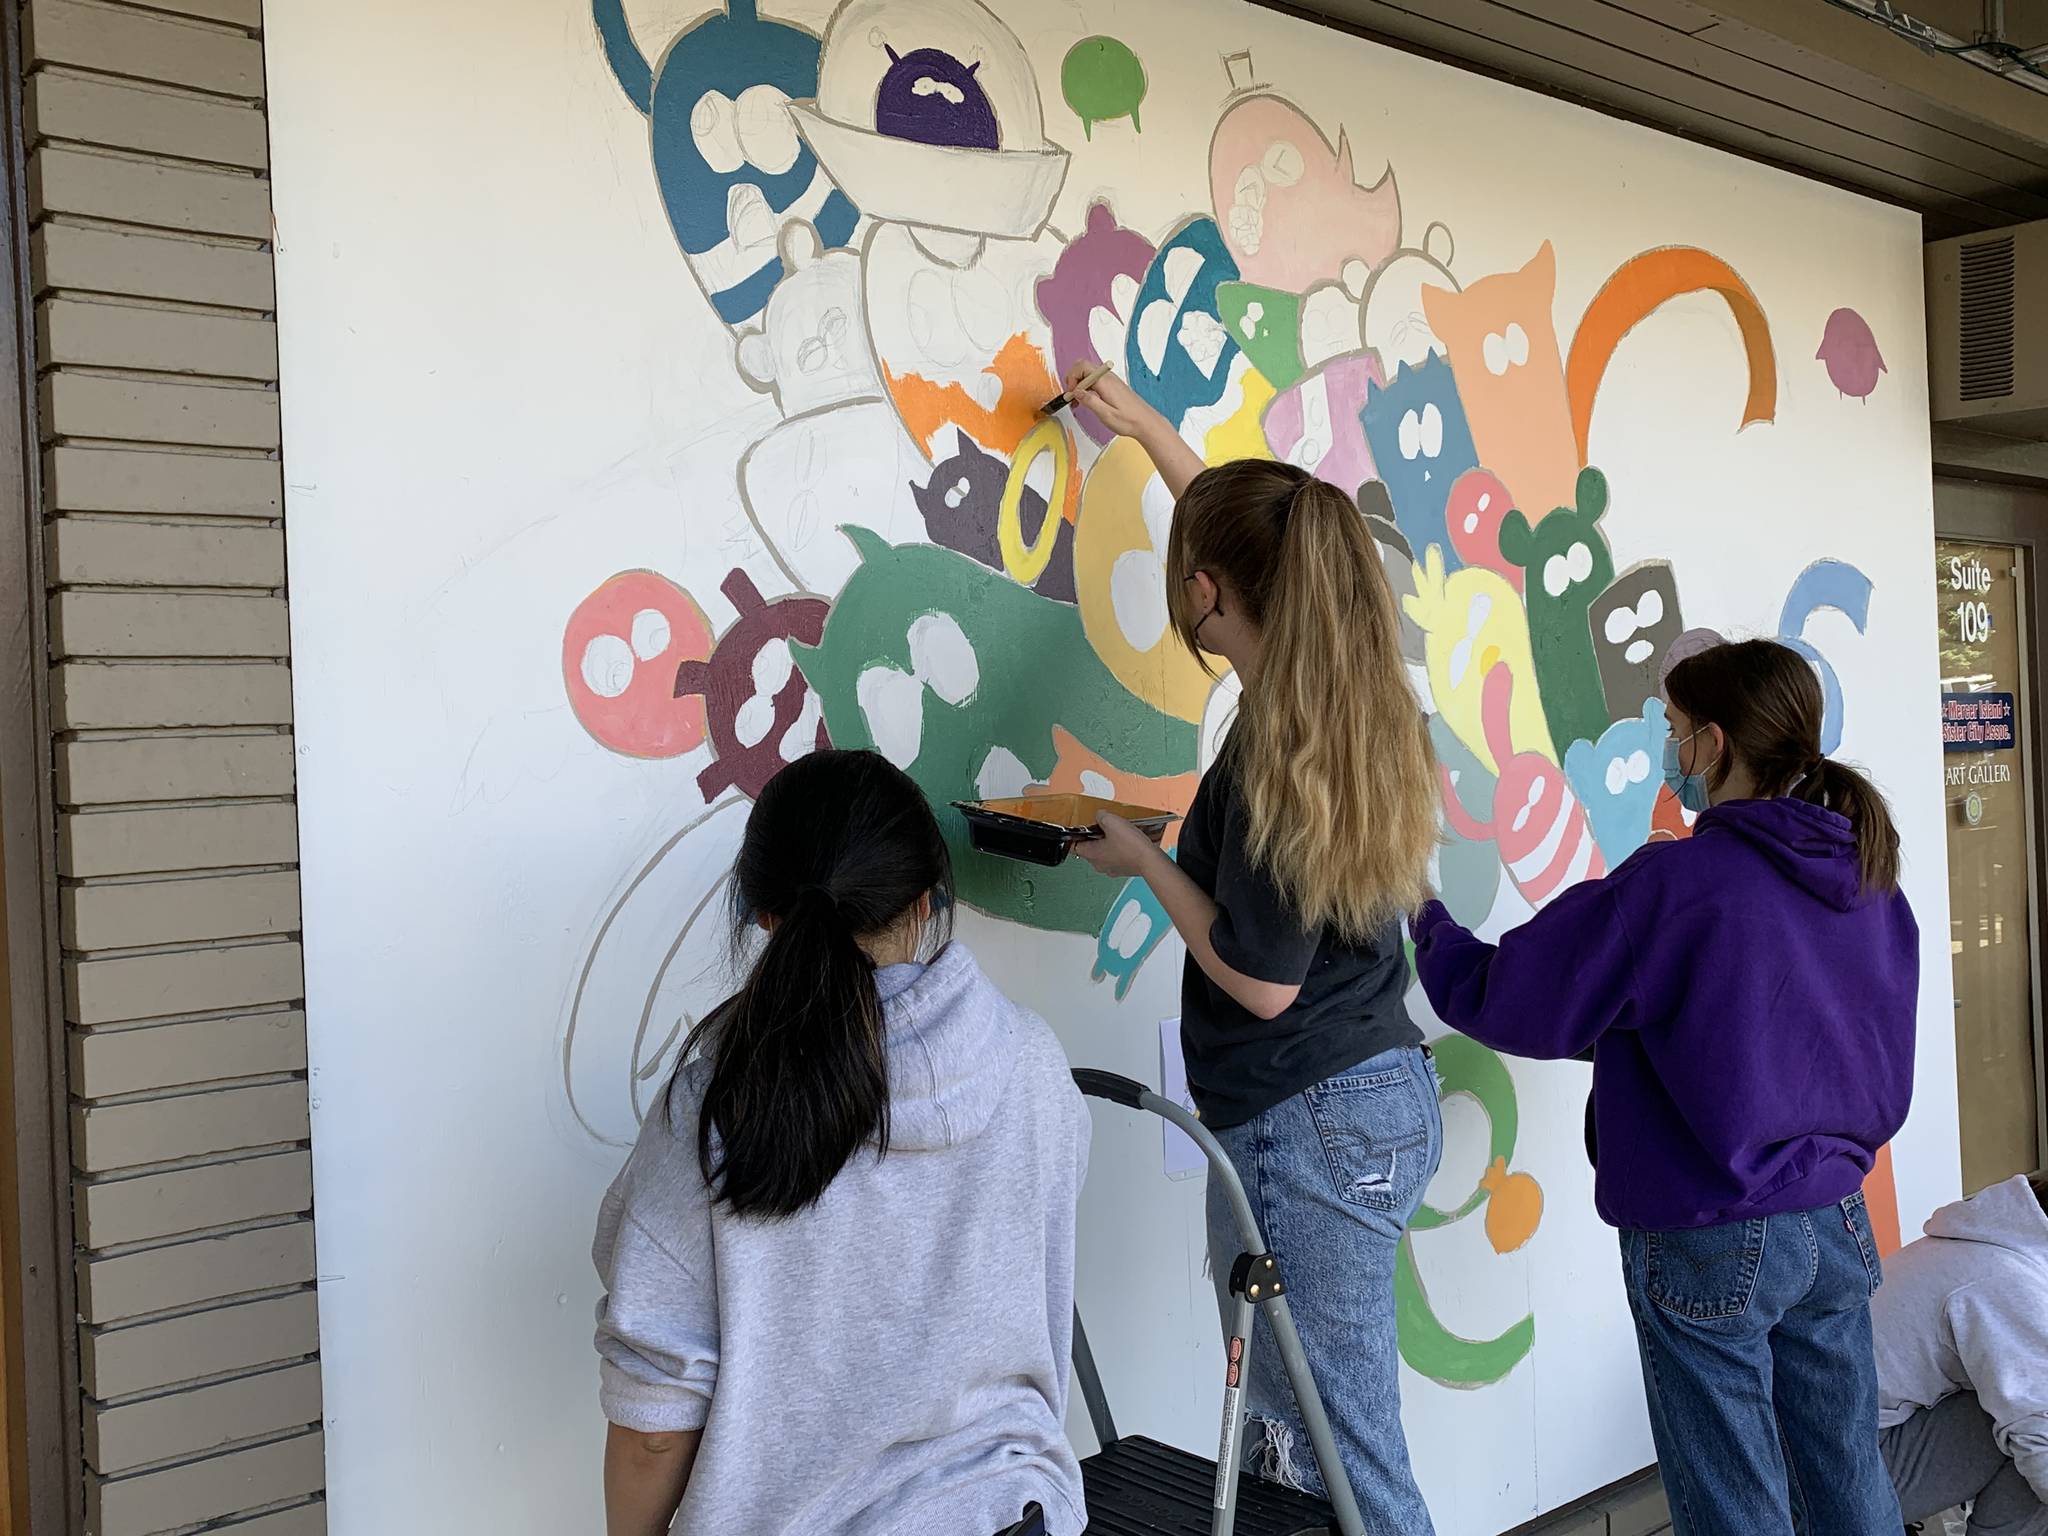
1334	1174
1762	1384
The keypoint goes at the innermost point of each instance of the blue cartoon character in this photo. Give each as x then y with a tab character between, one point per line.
1617	779
1134	928
731	167
1826	584
1178	355
1566	565
1420	446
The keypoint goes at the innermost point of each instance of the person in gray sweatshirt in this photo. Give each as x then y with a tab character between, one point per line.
1962	1362
839	1264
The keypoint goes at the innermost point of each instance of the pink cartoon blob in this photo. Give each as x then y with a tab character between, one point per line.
1316	422
620	655
1849	350
1288	204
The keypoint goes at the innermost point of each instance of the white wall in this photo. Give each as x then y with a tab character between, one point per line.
502	386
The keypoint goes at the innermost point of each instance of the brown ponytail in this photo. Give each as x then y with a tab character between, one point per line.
1768	703
1331	747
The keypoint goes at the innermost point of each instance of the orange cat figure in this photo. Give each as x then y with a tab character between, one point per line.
1502	343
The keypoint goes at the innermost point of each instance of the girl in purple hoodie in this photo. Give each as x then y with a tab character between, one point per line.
1747	999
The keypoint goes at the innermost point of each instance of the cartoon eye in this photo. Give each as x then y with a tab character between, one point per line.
1638	766
650	633
957	493
1517	341
943	658
1411	434
1617	775
1432	431
1621	623
1282	163
927	86
1557	576
812	355
714	126
1578	561
607	666
767	134
1650	610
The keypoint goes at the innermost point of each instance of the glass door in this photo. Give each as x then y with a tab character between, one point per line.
1985	618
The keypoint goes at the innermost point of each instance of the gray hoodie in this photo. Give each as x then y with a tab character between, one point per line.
1965	1309
892	1361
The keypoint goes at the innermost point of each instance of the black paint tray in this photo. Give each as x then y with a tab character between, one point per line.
1043	829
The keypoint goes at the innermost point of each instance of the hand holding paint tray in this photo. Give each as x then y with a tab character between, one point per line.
1043	829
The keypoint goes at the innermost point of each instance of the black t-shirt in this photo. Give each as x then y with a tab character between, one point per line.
1352	1004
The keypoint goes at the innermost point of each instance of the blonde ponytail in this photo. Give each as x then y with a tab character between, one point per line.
1331	750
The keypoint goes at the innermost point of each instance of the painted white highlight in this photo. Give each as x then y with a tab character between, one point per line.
607	666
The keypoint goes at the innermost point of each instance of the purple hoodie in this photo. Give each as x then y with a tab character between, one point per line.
1750	1015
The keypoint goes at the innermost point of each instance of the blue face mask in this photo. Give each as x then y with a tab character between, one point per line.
1690	788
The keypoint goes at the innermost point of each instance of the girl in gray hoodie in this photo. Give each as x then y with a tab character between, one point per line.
839	1264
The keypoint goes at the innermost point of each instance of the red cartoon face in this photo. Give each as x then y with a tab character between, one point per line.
1473	517
619	658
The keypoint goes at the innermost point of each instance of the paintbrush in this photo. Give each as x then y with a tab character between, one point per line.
1065	398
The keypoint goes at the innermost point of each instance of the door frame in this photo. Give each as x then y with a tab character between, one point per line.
38	1288
1992	508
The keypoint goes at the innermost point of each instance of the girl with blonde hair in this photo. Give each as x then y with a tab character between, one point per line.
1308	841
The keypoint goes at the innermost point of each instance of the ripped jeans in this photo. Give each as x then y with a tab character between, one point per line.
1334	1174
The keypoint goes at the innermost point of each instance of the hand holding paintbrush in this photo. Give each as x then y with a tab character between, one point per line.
1096	386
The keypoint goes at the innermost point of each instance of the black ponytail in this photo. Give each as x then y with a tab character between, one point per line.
840	848
1768	703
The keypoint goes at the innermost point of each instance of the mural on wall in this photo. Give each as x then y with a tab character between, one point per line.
978	591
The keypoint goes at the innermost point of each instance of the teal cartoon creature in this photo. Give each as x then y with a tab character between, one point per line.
1103	80
958	676
1567	565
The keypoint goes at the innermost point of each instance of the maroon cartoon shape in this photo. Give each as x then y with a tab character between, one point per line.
754	737
1850	352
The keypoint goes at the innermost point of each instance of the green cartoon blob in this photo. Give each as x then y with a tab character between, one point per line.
1567	565
1465	1066
958	675
1266	323
1447	1358
1103	80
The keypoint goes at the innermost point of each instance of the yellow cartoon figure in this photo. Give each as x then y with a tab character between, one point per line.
1471	620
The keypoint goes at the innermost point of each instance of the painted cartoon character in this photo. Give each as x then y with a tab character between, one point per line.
1391	318
1397	559
1618	778
1502	344
1266	323
1289	204
1567	565
811	350
1420	445
1477	506
1826	584
1089	299
901	112
761	712
1473	622
1120	576
1467	872
962	506
1317	422
1546	844
1178	356
1633	624
620	650
729	163
942	665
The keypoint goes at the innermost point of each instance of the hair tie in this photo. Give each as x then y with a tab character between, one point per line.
817	894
